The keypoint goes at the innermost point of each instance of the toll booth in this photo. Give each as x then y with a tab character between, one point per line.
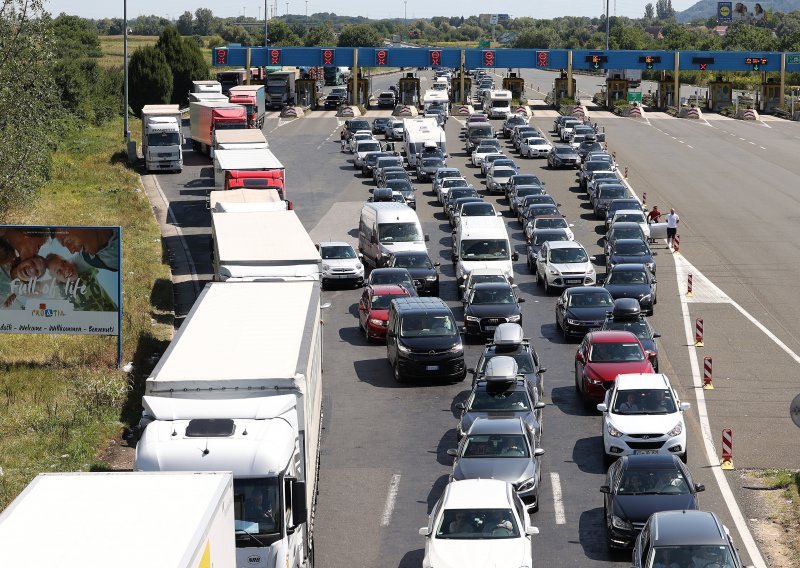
455	89
616	90
409	90
308	92
560	90
666	94
720	94
362	96
771	96
516	85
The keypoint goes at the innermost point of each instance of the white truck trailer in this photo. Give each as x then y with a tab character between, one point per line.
245	199
248	160
240	139
162	139
240	389
207	87
124	520
417	132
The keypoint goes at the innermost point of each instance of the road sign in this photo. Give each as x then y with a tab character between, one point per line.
483	43
794	411
793	59
634	96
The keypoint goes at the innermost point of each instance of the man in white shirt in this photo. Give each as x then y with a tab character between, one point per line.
672	226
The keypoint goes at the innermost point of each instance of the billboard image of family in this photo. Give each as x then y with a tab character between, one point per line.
741	11
60	280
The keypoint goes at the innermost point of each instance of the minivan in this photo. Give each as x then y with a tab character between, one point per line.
423	340
386	228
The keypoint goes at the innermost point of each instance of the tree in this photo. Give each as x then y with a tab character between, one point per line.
358	35
628	37
744	37
76	38
184	59
538	38
664	10
649	12
320	36
149	79
202	21
185	23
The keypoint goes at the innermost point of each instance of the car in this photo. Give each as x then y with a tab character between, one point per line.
340	263
447	184
533	147
373	309
379	124
472	208
564	264
685	538
399	276
589	169
386	99
422	270
633	281
601	356
588	146
426	167
385	162
444	173
362	148
558	121
563	157
576	141
524	211
488	305
388	174
581	310
497	178
631	251
626	316
475	520
333	100
385	194
395	131
639	485
511	121
603	195
455	193
478	275
500	448
641	405
485	147
626	204
536	209
454	207
537	240
370	158
404	187
509	341
489	158
520	132
523	179
566	130
359	136
630	216
519	192
549	222
622	230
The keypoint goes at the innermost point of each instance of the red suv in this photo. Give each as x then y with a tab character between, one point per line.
602	356
373	309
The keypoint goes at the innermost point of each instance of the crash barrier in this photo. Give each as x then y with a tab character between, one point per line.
689	112
579	111
348	111
522	109
698	332
626	172
707	380
689	285
644	198
463	110
635	112
727	449
676	244
292	112
747	114
405	110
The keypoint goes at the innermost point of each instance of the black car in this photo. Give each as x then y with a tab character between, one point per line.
406	189
456	193
511	121
538	209
627	316
538	238
399	276
386	99
581	310
489	305
370	160
522	179
605	193
536	199
332	101
426	168
422	270
454	205
627	203
588	146
379	124
638	486
631	251
563	157
633	281
519	192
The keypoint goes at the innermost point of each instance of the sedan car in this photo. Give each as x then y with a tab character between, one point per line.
601	356
631	251
633	281
520	133
639	485
373	309
422	270
511	121
523	179
447	184
484	148
622	230
426	168
630	216
404	187
489	305
526	212
497	178
362	148
340	264
564	264
603	194
479	275
379	124
626	316
478	522
454	195
395	130
454	207
369	162
519	192
399	276
563	157
444	173
626	204
488	159
642	414
594	168
333	100
581	310
588	146
500	448
549	222
537	240
534	147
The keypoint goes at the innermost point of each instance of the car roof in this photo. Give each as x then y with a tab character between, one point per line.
549	217
492	286
611	336
625	225
687	528
585	290
409	253
550	230
391	289
629	212
626	241
388	269
565	244
477	493
629	267
627	381
487	271
497	425
646	462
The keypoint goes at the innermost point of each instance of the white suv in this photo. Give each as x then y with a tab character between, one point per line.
642	414
341	263
563	264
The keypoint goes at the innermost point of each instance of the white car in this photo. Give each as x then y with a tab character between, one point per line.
488	159
633	216
566	129
576	140
394	131
642	414
497	178
481	275
446	184
362	147
563	264
482	150
549	222
478	523
340	263
358	136
534	147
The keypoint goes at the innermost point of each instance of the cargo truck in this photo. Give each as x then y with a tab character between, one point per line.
208	98
240	139
240	389
206	87
245	199
162	140
234	77
206	118
124	520
334	75
280	89
241	161
253	98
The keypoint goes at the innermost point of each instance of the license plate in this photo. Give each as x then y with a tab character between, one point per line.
490	327
645	452
432	368
591	329
572	280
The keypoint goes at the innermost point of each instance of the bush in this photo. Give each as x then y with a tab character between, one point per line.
149	79
185	60
215	41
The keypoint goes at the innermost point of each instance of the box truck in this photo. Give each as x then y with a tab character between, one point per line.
240	389
245	199
280	89
251	97
206	87
240	139
125	520
240	161
162	139
248	246
206	118
208	98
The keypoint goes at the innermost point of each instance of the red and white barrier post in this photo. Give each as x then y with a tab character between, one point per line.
698	332
727	449
689	285
676	244
626	172
707	373
644	198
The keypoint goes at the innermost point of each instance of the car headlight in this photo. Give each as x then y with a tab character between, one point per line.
376	321
552	271
326	266
359	266
613	431
471	318
527	485
514	319
431	278
677	430
621	523
645	298
457	348
403	349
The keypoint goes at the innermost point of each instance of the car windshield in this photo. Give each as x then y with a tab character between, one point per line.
541	209
454	183
399	232
480	131
653	482
612	192
619	205
368	147
432	162
488	146
337	252
357	125
399	184
413	261
499	400
615	352
563	150
627	233
372	158
458	193
568	256
589	146
710	556
627	277
590	300
386	276
536	142
478	210
541	199
491	249
644	401
597	164
493	296
630	218
542	238
495	446
395	175
525	191
503	172
474	524
521	355
526	179
602	176
551	223
631	248
479	278
382	302
426	325
639	328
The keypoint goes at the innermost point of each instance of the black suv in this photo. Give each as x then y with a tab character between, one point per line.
422	270
423	341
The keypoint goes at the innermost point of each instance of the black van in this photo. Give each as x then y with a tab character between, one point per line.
423	340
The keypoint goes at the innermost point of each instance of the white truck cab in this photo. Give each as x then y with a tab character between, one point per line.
482	242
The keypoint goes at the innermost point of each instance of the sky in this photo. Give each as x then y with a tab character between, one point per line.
544	9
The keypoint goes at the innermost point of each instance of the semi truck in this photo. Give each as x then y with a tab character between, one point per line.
240	139
208	98
234	77
179	520
245	199
262	163
162	140
206	87
253	98
280	89
255	245
240	389
336	75
205	119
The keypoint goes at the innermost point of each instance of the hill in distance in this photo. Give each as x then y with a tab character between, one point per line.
708	8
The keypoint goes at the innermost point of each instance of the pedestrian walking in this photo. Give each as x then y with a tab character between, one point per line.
343	139
672	226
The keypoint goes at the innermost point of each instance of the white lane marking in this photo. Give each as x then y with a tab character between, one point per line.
708	442
681	141
335	130
753	143
762	147
690	146
742	139
558	500
388	509
764	124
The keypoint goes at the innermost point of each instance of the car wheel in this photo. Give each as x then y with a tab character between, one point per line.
398	378
577	384
546	286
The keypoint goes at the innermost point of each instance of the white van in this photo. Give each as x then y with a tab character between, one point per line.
386	228
482	242
497	104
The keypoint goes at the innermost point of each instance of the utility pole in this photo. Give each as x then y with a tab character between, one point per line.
125	56
266	28
405	19
287	11
608	23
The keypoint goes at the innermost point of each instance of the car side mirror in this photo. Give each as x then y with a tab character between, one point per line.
452	452
461	405
655	281
423	531
515	256
579	356
530	531
656	335
538	452
592	258
605	489
602	407
698	487
558	205
685	405
498	214
520	300
427	238
360	256
571	225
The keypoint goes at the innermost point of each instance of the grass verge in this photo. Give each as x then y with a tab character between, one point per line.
786	510
61	396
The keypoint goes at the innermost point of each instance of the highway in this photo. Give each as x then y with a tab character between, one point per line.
384	459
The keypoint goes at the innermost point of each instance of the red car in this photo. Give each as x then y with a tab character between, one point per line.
373	309
602	356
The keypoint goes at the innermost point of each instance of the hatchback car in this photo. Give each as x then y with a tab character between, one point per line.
399	276
635	251
427	167
549	222
341	264
563	157
633	281
489	305
534	147
626	204
581	310
421	268
564	264
373	309
537	240
497	178
622	230
626	316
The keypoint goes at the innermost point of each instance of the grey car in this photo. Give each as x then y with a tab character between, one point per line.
563	157
426	168
500	448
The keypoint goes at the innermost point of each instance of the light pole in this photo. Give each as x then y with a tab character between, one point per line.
287	11
266	19
608	23
125	56
405	19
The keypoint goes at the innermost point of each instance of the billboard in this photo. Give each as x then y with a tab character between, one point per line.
60	280
724	11
748	11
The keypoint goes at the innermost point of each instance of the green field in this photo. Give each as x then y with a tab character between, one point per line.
113	49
